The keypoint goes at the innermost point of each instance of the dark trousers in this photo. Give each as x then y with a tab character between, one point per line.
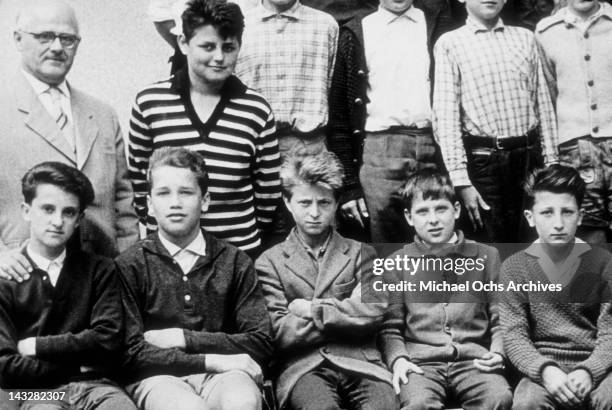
531	395
329	388
389	158
469	386
498	175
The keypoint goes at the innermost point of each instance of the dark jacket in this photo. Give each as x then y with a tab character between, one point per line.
220	307
79	322
348	94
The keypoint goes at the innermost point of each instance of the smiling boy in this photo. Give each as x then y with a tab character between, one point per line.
562	349
197	327
63	328
438	349
325	333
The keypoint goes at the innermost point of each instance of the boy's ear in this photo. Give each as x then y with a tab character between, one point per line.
182	43
205	201
408	216
150	205
580	216
457	207
529	216
25	211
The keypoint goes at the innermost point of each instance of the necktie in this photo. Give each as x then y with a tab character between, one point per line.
60	116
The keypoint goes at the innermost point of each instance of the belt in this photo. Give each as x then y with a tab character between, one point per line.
285	130
502	143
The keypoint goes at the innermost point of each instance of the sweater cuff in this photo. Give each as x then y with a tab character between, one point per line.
534	372
350	193
459	178
595	367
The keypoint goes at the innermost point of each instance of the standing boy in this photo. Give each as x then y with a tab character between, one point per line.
197	326
324	333
380	97
493	116
440	348
577	54
562	349
62	329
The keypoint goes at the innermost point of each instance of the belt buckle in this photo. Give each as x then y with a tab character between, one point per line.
497	141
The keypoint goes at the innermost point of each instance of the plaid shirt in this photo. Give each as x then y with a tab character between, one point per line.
489	83
289	58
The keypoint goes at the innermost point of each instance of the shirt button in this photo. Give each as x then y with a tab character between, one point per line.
586	35
593	106
587	57
356	132
595	130
358	101
447	329
445	303
44	278
361	73
591	83
185	278
187	298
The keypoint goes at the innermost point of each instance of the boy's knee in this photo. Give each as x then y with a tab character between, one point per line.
249	397
423	402
498	400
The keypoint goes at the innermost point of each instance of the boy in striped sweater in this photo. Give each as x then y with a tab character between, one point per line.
563	349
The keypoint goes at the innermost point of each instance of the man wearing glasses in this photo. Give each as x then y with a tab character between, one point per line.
44	118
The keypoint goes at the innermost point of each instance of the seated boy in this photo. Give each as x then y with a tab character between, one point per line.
197	327
437	349
62	329
324	333
563	349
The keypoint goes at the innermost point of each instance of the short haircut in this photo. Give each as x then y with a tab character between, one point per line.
61	175
558	179
323	169
226	17
431	184
179	157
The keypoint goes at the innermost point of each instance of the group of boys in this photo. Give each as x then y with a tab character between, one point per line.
183	320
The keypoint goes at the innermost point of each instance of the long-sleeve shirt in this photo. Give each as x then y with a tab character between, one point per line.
489	83
238	143
435	331
577	60
78	322
540	329
218	304
289	57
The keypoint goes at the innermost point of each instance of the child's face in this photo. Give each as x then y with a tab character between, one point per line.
555	217
176	202
433	219
54	215
484	11
396	6
313	208
584	8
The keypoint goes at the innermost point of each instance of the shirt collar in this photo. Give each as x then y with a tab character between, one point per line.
412	14
323	247
197	246
537	250
294	12
570	18
42	262
42	87
476	26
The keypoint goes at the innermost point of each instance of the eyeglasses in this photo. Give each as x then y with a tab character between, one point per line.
48	37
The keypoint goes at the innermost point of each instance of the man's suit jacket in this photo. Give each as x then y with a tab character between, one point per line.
343	329
29	135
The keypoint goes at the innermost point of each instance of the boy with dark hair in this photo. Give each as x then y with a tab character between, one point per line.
207	109
577	55
493	117
61	330
197	327
562	349
324	332
441	349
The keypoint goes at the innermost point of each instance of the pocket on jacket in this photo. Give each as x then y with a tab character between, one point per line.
341	290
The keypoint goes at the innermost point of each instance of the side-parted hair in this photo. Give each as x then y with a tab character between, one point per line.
179	158
558	179
431	184
323	169
226	17
63	176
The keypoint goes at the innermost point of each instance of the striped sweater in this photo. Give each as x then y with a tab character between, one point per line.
239	145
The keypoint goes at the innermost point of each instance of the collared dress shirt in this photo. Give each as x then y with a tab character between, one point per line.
289	58
52	267
489	82
577	60
188	256
398	70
